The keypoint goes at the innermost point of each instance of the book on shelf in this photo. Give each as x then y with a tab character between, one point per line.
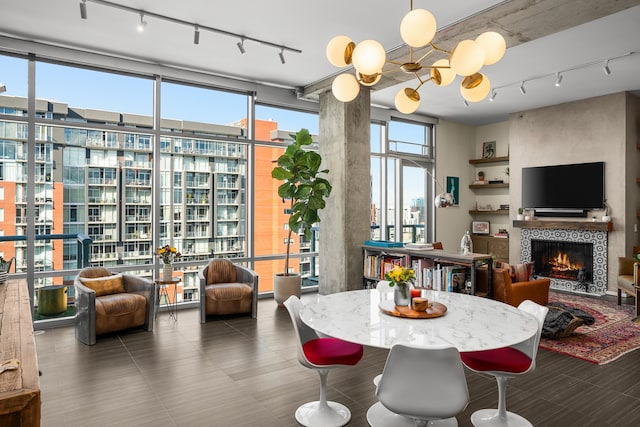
383	243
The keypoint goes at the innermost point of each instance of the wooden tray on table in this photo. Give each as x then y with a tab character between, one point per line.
435	309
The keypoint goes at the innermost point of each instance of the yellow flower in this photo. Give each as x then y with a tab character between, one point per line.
400	275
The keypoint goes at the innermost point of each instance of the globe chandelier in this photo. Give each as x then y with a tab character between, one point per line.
417	29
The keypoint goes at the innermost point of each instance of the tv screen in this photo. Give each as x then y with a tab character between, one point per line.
564	187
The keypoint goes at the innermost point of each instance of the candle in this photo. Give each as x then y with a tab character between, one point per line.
416	292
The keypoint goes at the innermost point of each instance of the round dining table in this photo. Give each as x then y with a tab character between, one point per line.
470	323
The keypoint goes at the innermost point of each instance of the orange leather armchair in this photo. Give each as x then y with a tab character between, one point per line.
513	293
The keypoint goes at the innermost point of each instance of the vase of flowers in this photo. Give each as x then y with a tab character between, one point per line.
167	255
401	279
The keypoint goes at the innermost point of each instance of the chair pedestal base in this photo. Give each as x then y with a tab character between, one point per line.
491	417
313	414
379	416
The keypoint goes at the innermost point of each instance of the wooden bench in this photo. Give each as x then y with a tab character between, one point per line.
19	388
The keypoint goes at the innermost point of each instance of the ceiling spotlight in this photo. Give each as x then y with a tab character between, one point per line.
83	9
240	45
558	79
522	88
196	35
3	88
493	95
606	68
281	55
465	102
142	23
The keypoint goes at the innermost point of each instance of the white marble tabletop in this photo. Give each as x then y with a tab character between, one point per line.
470	323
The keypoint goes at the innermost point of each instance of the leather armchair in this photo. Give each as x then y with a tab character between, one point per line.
628	275
107	302
227	288
514	293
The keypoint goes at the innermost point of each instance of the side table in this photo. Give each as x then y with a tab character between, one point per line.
163	290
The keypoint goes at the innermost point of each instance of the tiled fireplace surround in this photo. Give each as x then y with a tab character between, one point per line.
569	231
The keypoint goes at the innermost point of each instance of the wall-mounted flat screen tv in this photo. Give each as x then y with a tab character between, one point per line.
568	189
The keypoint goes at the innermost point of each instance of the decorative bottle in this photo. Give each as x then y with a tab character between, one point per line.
466	245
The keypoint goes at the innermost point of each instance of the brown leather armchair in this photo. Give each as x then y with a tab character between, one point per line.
227	288
628	275
107	302
513	293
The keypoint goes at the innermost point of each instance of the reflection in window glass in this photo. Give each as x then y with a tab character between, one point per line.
376	197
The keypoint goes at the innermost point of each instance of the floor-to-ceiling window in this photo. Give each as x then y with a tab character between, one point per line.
192	171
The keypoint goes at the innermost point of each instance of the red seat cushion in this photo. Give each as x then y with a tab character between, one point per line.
505	359
332	351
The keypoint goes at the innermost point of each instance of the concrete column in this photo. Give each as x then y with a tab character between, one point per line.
345	150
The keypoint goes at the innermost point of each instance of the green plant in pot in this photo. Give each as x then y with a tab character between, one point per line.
305	189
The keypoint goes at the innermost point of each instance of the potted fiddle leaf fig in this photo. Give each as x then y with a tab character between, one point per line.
305	190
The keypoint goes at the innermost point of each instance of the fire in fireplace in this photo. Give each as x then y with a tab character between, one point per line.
563	260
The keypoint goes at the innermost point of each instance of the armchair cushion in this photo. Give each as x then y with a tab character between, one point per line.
120	311
105	285
221	271
518	272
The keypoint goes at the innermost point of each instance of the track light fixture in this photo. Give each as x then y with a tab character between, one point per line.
493	95
142	23
196	35
417	29
558	79
522	90
83	9
606	68
465	102
240	45
197	27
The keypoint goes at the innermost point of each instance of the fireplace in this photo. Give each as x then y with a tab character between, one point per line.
563	260
593	235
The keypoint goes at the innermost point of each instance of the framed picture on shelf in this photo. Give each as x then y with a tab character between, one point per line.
480	227
488	150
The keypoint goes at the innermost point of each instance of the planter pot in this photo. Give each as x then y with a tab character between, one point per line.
606	218
519	217
285	286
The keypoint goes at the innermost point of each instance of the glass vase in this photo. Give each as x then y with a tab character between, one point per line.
466	244
167	272
401	295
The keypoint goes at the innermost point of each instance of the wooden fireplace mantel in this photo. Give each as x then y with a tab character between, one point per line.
565	225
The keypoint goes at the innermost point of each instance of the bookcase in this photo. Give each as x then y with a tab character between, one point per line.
449	270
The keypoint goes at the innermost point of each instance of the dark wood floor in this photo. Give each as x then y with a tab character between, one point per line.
243	372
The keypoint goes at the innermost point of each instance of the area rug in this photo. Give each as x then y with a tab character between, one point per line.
612	335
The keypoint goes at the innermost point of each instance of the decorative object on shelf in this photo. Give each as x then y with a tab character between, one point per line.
520	215
417	29
306	190
167	255
480	227
606	217
453	188
480	175
488	150
401	279
466	245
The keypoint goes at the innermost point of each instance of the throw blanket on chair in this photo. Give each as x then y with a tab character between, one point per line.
562	320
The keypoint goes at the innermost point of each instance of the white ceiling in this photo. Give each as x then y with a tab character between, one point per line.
309	25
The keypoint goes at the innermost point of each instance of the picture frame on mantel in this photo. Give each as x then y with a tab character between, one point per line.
488	150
